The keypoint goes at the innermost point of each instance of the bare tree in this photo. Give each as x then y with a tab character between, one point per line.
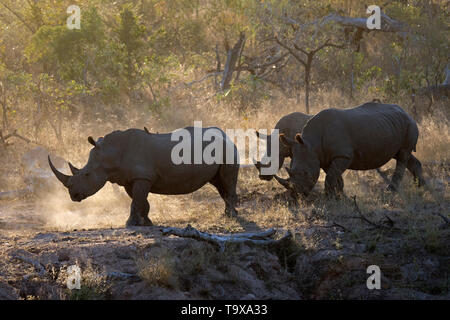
306	60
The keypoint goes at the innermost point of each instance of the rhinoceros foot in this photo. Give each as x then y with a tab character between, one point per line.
391	187
231	213
139	222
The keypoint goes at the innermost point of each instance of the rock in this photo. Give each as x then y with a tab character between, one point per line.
408	294
63	255
126	253
412	273
7	292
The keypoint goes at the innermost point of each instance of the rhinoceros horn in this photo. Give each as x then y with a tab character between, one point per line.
61	176
73	169
284	182
257	163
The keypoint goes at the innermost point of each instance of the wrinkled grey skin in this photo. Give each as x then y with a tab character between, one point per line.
288	125
362	138
141	162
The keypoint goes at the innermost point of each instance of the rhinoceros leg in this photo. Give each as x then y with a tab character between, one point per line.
139	204
402	158
334	184
225	182
415	167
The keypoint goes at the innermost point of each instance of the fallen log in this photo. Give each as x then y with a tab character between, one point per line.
221	241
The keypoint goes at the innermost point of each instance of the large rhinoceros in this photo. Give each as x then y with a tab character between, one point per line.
142	163
289	125
365	137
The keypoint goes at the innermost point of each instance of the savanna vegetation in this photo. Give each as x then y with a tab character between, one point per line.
166	57
233	64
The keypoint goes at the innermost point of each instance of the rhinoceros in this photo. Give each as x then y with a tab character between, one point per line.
142	163
289	125
362	138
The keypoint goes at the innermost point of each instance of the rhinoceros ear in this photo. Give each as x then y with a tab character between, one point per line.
92	141
286	141
299	139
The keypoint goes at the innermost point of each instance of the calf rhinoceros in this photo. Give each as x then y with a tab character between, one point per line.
142	163
365	137
289	125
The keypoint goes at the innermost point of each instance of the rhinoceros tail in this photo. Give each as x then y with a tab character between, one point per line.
412	135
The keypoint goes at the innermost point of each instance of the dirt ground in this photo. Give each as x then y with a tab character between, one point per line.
42	234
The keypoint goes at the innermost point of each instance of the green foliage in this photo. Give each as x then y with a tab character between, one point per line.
130	52
247	93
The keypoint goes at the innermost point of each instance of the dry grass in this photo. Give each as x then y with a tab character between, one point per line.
158	268
416	234
259	207
94	284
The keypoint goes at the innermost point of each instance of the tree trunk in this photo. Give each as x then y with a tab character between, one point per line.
308	80
352	76
218	68
307	91
447	75
232	57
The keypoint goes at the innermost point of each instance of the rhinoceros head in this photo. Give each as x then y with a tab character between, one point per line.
305	166
282	152
258	164
86	181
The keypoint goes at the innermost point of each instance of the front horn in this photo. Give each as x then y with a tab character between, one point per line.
61	176
284	182
73	169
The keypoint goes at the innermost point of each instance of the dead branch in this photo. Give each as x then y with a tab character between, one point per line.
292	51
10	135
221	241
337	225
390	222
230	64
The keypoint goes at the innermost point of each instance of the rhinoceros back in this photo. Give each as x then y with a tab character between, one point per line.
148	156
370	134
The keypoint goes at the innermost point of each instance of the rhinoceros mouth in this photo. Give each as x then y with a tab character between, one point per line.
291	186
287	183
265	177
77	197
